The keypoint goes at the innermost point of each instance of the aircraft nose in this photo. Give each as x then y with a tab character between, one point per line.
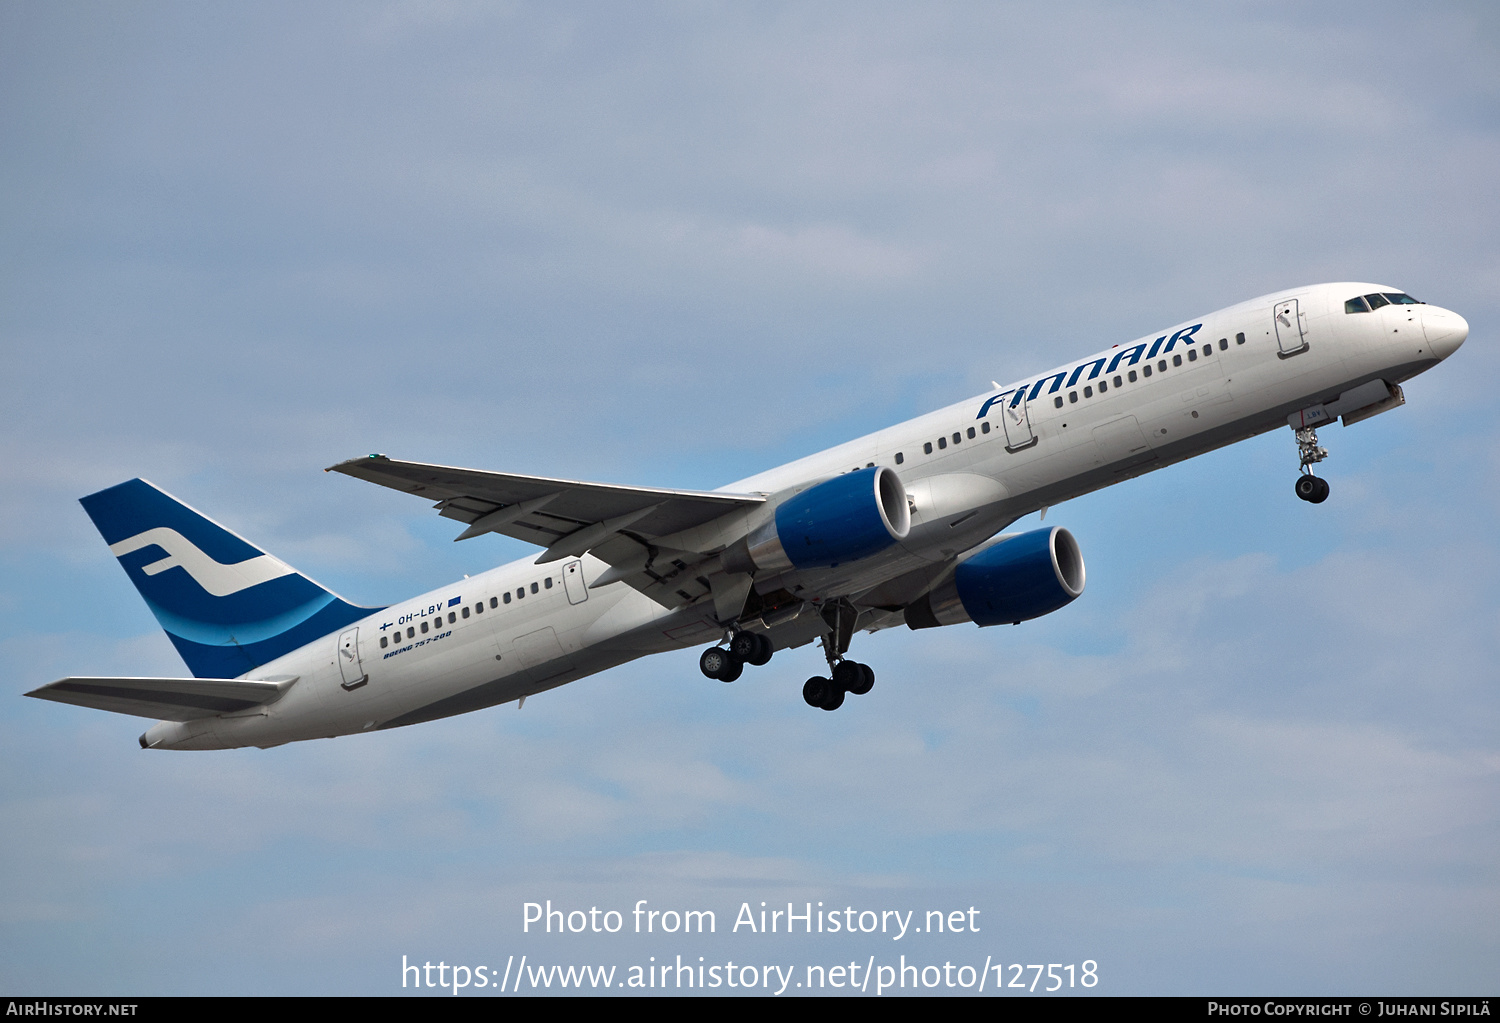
1445	330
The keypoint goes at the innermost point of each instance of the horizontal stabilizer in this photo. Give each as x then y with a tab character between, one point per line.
169	699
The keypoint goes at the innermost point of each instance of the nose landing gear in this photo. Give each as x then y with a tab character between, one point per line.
1310	488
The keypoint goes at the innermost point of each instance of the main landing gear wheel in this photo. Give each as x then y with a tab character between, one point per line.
823	692
866	681
716	662
853	677
848	677
1312	489
751	647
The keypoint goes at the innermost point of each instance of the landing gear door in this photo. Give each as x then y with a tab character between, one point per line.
1017	421
1291	329
573	582
348	658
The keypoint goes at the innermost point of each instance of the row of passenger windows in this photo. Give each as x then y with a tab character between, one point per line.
1088	391
1367	303
942	442
464	612
1161	367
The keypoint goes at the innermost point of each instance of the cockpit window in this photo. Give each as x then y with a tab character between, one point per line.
1356	305
1376	301
1399	299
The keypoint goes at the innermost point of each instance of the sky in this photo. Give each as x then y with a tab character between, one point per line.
674	245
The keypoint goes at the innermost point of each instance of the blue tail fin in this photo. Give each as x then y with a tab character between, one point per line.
228	606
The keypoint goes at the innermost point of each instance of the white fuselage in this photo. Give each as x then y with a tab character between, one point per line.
465	646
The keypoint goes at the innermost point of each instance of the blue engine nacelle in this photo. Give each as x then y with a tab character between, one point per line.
1020	578
840	520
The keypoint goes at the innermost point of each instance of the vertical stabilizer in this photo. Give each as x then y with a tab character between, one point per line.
227	605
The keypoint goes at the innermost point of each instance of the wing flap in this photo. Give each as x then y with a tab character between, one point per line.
168	699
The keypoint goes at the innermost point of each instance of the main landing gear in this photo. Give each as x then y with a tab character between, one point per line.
848	677
844	676
744	648
727	662
1310	488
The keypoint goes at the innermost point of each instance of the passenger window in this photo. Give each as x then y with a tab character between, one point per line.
971	433
411	633
453	616
494	603
1223	344
958	438
1146	369
521	593
900	458
384	642
533	587
1072	397
927	448
942	442
984	427
549	582
1239	339
1088	392
1057	402
479	607
424	627
466	613
1176	361
1208	349
1161	366
1132	376
507	596
1192	356
1117	381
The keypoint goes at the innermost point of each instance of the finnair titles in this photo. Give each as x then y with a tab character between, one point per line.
901	527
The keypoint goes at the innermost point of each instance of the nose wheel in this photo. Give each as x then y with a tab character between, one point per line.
1310	488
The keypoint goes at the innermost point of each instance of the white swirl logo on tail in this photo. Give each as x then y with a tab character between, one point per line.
219	580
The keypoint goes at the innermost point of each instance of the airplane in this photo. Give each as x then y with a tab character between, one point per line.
900	527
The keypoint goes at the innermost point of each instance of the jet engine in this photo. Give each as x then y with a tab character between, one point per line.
840	520
1022	577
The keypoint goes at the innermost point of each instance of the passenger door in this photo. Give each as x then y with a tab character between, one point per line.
1017	419
1291	329
578	590
348	658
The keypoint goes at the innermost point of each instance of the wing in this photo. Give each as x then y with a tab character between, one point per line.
170	699
617	524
